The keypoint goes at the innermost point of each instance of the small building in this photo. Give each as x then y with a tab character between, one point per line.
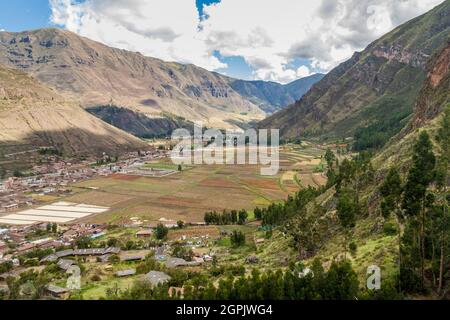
17	237
260	240
65	264
58	292
156	278
50	258
88	252
131	258
64	253
177	262
26	247
144	233
111	250
44	243
11	207
125	273
3	246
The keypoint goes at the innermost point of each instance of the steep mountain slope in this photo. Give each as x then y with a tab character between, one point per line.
378	85
433	98
99	75
33	115
375	242
137	123
271	96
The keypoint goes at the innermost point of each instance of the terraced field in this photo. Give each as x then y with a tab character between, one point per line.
187	195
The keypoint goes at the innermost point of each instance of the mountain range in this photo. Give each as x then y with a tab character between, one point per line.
96	75
33	115
371	96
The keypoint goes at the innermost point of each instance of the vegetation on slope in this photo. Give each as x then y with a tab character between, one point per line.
138	124
391	69
33	116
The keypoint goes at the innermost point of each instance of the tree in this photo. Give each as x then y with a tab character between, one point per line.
54	228
112	242
84	243
420	176
330	158
234	216
258	213
391	192
183	253
341	282
161	231
347	210
17	174
243	215
237	238
180	224
442	177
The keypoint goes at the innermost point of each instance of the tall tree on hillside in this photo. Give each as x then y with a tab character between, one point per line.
391	193
442	177
330	158
161	231
420	176
347	211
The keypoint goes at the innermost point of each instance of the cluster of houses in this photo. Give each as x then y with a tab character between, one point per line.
13	241
55	176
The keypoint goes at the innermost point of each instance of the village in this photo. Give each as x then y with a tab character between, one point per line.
113	222
55	176
106	252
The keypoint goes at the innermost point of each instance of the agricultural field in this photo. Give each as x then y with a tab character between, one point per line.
188	194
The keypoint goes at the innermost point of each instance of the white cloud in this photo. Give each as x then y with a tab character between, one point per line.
268	34
303	72
166	29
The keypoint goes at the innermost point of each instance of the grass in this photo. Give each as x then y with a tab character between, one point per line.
97	290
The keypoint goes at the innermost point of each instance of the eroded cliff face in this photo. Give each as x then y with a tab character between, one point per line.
435	94
396	52
440	69
33	115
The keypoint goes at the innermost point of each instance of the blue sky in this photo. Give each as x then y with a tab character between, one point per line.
19	15
280	40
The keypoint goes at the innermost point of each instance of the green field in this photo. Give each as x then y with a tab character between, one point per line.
187	195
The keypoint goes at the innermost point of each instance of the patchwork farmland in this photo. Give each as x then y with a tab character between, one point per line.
187	195
60	212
